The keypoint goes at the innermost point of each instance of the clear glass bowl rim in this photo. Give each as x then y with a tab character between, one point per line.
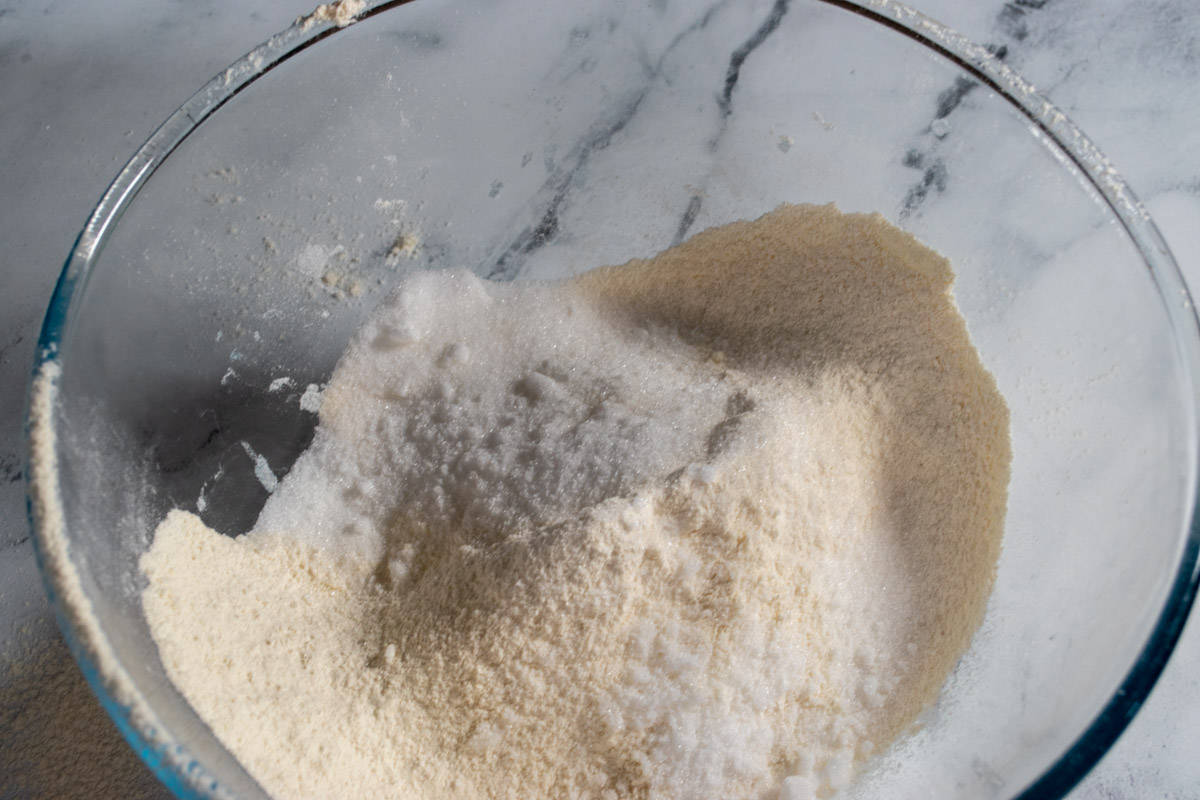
981	62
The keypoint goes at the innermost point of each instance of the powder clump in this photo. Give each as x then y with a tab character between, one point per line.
715	524
341	13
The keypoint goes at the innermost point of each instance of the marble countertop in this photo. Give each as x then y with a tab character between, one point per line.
85	83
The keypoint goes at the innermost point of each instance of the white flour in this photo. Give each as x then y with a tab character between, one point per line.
715	525
340	13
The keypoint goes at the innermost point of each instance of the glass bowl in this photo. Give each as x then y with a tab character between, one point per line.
224	270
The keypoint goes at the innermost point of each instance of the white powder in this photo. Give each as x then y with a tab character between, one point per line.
716	524
311	399
74	602
341	13
262	469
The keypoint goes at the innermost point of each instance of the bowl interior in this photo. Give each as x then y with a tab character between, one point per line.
524	142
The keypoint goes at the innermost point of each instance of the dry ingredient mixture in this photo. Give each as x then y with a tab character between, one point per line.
712	525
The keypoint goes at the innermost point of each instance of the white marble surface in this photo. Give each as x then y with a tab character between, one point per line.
84	83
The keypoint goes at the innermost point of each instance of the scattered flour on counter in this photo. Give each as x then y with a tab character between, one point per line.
716	524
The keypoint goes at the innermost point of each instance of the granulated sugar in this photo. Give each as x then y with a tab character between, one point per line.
713	525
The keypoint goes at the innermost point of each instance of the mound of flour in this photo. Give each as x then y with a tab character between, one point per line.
716	524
